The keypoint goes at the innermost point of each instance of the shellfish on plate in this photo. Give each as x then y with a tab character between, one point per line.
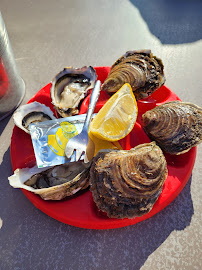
175	126
69	87
127	183
141	69
53	183
32	113
86	216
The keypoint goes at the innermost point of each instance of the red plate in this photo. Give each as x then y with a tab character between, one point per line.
80	210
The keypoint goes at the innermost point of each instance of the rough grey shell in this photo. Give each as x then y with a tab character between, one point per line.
141	69
126	184
53	183
69	87
176	126
32	113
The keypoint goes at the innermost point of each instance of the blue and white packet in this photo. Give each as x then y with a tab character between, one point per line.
49	139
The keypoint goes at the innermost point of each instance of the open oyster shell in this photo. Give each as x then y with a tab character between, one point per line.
126	184
70	87
176	126
141	69
53	183
31	113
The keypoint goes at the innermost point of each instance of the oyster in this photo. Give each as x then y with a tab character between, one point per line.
30	113
69	88
126	184
176	126
141	69
53	183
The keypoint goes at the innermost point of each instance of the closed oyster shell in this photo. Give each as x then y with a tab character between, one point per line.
176	126
126	184
141	69
32	113
69	87
53	183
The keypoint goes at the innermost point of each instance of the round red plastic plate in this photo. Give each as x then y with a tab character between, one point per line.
80	210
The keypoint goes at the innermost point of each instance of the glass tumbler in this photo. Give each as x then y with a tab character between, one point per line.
12	87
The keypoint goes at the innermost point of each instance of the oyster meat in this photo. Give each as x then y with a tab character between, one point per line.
53	183
175	126
31	113
126	184
141	69
70	87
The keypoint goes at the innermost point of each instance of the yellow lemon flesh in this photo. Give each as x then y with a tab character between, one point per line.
117	117
95	145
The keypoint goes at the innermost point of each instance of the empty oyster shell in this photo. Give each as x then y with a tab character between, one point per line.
141	69
69	88
176	126
126	184
30	113
53	183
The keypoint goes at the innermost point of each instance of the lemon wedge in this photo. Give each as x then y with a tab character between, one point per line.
117	117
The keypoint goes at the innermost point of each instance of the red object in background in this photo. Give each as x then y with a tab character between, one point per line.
80	210
4	83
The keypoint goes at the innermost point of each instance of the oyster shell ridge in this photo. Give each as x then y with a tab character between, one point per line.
122	186
176	126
